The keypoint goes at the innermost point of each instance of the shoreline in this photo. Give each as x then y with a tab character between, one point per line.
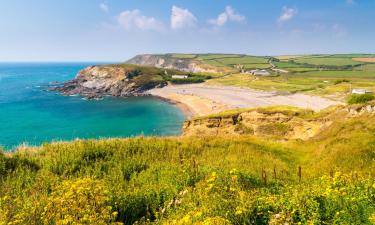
185	109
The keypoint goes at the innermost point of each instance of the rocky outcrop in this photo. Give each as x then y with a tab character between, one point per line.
113	80
169	62
255	123
275	123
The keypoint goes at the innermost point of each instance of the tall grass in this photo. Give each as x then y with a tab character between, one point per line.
195	180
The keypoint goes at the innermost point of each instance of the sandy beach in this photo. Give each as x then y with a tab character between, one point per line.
202	99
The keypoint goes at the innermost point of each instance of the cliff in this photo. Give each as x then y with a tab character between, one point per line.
280	122
114	80
178	62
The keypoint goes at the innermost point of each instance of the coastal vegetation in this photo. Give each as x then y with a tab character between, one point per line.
358	99
328	179
271	165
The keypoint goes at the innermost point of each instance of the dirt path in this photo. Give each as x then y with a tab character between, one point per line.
203	99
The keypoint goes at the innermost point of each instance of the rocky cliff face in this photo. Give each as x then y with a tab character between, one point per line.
113	80
256	123
169	62
274	123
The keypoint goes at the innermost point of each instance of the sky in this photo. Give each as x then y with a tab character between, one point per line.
116	30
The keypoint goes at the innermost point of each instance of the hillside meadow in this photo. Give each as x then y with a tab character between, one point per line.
328	179
315	74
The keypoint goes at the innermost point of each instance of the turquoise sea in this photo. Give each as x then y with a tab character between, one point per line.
30	114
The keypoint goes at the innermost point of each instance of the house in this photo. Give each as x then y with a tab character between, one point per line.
180	76
361	91
259	72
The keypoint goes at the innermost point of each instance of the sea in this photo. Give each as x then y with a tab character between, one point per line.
32	115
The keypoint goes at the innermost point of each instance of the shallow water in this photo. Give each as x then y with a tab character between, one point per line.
29	114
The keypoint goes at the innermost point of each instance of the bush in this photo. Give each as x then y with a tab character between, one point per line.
358	99
134	73
188	80
341	81
82	201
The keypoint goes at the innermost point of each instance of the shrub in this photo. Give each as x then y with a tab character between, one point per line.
188	80
134	73
276	129
358	99
81	201
341	81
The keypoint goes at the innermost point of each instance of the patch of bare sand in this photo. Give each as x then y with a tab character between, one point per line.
203	99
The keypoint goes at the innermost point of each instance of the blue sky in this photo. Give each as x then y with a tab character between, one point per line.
115	30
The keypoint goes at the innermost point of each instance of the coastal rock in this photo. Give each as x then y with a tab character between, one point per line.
111	80
168	62
256	122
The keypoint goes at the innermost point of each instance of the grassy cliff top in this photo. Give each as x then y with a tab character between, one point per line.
196	180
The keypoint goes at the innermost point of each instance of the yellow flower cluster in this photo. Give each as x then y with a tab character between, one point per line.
81	201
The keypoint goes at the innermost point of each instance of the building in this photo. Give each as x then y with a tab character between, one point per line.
361	91
280	71
259	72
180	76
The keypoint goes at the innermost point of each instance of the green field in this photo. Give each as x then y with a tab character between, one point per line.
327	61
216	56
242	60
256	66
184	56
287	64
314	74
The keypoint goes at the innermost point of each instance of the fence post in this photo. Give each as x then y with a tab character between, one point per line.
264	176
274	172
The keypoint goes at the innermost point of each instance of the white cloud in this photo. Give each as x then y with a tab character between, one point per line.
287	14
182	18
104	7
228	15
134	19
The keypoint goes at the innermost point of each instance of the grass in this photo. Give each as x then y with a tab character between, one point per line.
327	61
242	60
195	180
322	83
257	66
279	83
286	110
301	69
288	57
184	56
216	56
358	99
286	65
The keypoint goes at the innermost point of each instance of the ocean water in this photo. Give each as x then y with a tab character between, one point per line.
30	114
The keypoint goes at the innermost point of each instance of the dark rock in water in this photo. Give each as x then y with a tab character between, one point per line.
94	82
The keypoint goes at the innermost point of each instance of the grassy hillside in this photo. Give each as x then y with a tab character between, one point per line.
148	74
197	180
315	74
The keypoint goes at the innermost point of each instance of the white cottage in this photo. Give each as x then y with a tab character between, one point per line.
361	91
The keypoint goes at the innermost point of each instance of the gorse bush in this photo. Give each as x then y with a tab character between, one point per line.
82	201
358	99
195	180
